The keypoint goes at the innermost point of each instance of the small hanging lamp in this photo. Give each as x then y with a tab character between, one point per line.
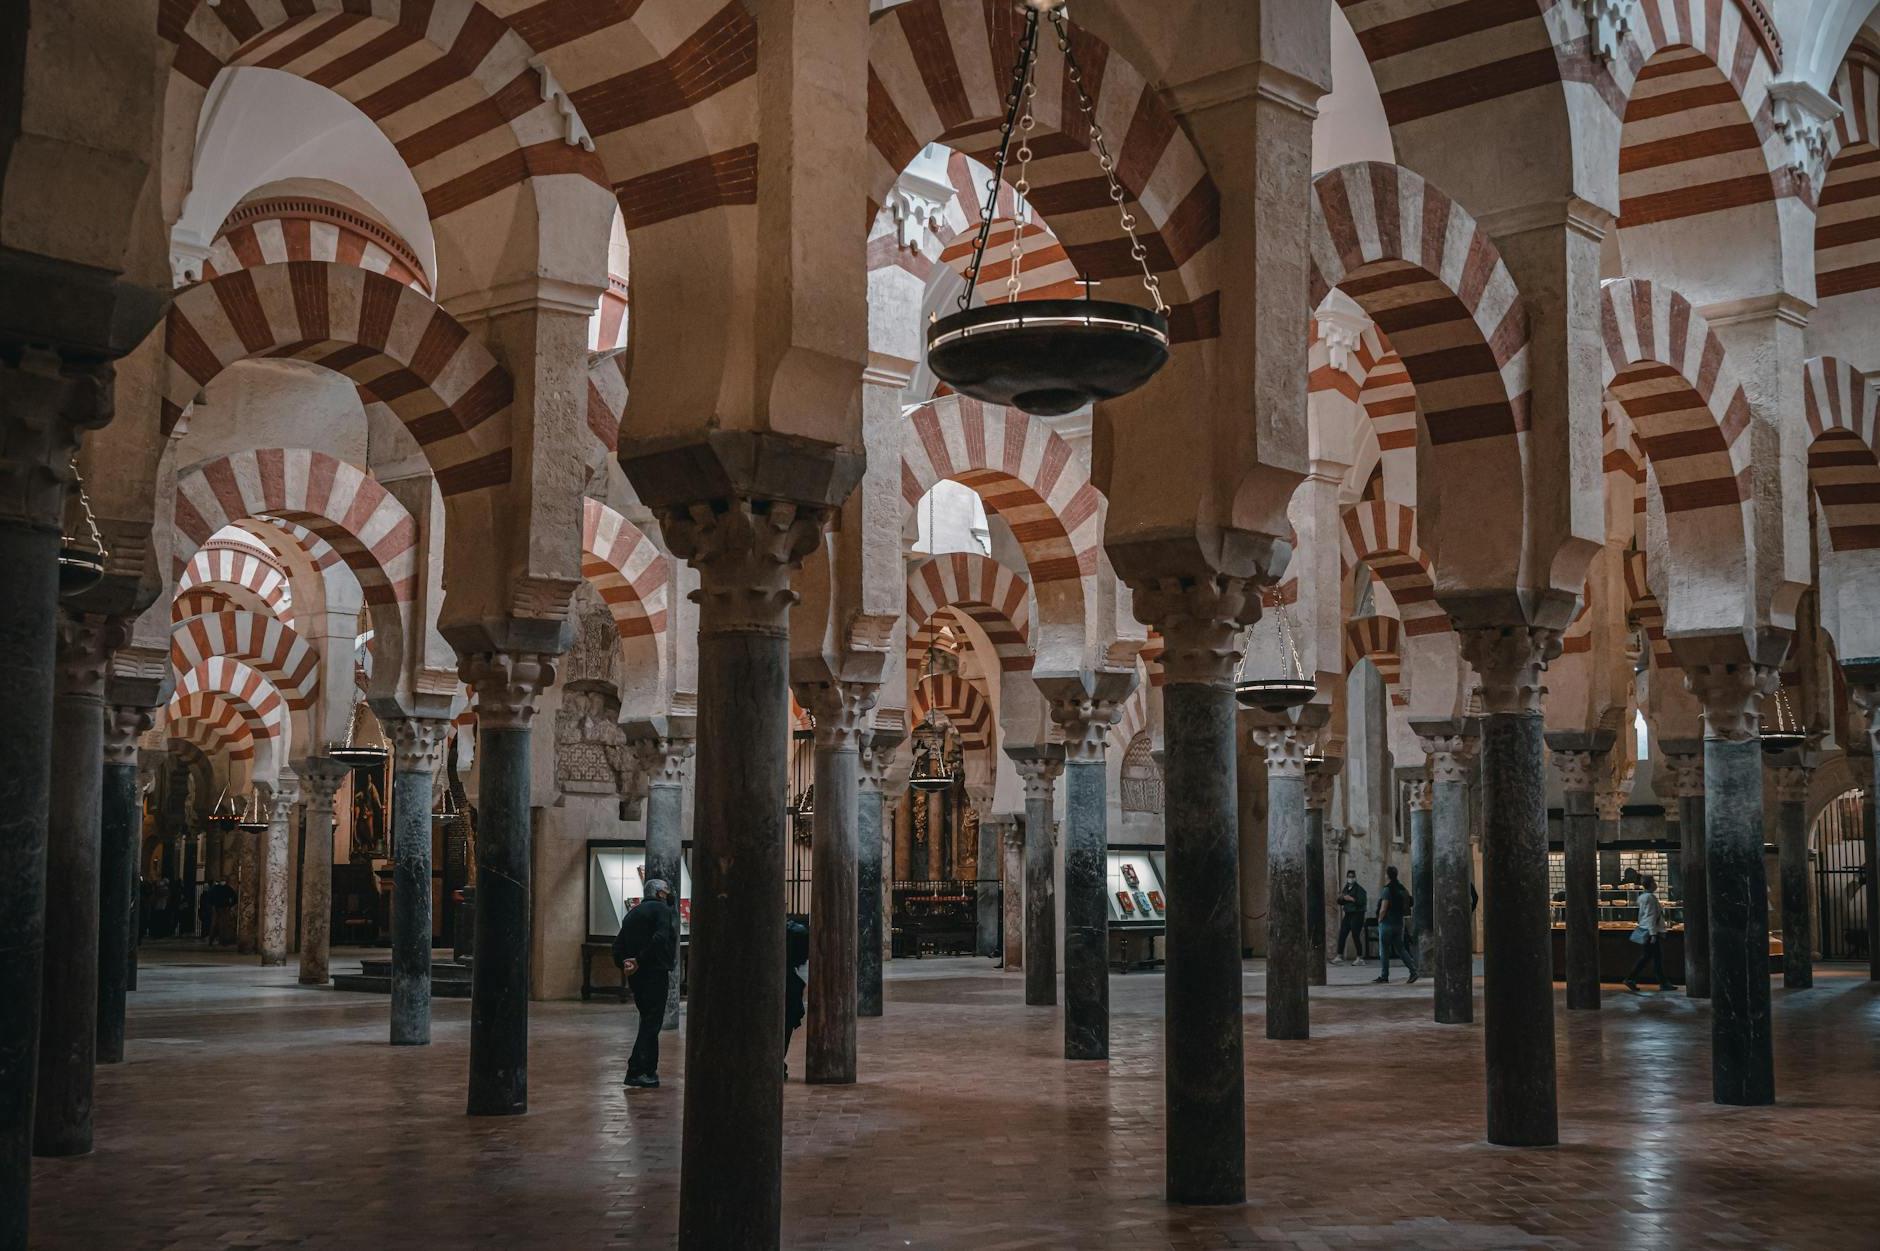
81	546
1784	732
1292	688
1048	357
254	814
365	742
445	809
223	815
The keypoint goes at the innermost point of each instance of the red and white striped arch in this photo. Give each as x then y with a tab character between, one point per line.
607	397
626	568
1697	135
233	565
244	687
1670	373
960	701
268	646
608	330
1433	58
1430	277
1643	608
1847	220
212	724
938	71
1379	640
983	589
1620	453
340	503
400	348
1045	268
278	229
1839	404
1382	536
1132	720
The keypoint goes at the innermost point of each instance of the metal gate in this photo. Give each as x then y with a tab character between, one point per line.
1841	869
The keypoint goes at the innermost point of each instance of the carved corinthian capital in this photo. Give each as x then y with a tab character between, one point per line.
508	686
1201	624
1790	783
1085	705
1580	771
1508	663
124	724
1448	756
1731	695
83	656
878	750
1419	795
840	708
1039	769
321	776
417	743
1285	750
745	552
45	402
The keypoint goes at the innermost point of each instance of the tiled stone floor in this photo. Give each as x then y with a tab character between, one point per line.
252	1113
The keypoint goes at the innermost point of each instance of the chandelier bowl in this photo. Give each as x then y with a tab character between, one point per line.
1275	694
1775	742
80	568
1048	357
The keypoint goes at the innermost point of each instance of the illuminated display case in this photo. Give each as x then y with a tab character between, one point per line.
616	877
1135	891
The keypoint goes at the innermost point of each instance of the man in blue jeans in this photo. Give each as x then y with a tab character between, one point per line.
1393	909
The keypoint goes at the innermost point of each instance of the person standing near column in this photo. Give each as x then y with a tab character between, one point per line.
1649	936
647	951
1393	911
1351	913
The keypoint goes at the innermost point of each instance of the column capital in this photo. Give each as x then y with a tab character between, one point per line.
1038	767
663	760
46	401
82	660
1318	790
1508	663
1581	767
1863	686
124	724
979	798
417	743
322	776
840	707
877	758
1285	749
1084	705
283	795
1011	828
1420	795
1790	782
1731	695
1202	623
508	686
745	551
1684	761
1448	755
1609	803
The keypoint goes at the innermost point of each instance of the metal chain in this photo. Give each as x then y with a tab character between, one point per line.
1014	101
1105	161
1022	189
84	502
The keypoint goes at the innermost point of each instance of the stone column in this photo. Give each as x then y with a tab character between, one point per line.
745	551
1609	805
248	854
1450	755
1085	706
839	706
986	867
1790	782
1863	684
322	776
1039	767
507	688
1422	870
68	1029
1581	763
1742	1054
1685	759
870	840
1319	776
120	834
1288	1014
1012	881
663	747
1517	966
276	869
417	754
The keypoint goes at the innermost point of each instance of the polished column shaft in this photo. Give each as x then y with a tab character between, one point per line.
417	754
1685	760
1040	769
1581	764
1288	1012
1422	873
322	777
870	853
277	843
1318	798
986	866
120	835
1790	783
1086	912
1453	963
663	748
1012	881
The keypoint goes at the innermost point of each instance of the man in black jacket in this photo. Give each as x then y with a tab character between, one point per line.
647	950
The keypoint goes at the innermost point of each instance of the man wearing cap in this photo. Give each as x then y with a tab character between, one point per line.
647	949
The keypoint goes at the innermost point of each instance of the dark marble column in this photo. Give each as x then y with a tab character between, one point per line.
1684	758
1012	888
840	706
1517	965
1085	705
120	833
508	687
1609	808
1581	761
322	778
1319	774
1422	872
247	875
1790	783
1742	1053
870	852
986	869
1450	753
68	1028
1039	768
417	754
1201	623
1288	1012
276	868
745	551
1863	684
663	747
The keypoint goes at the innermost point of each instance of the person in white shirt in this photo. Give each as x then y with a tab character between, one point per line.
1651	926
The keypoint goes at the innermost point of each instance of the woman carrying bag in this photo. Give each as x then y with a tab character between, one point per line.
1650	935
